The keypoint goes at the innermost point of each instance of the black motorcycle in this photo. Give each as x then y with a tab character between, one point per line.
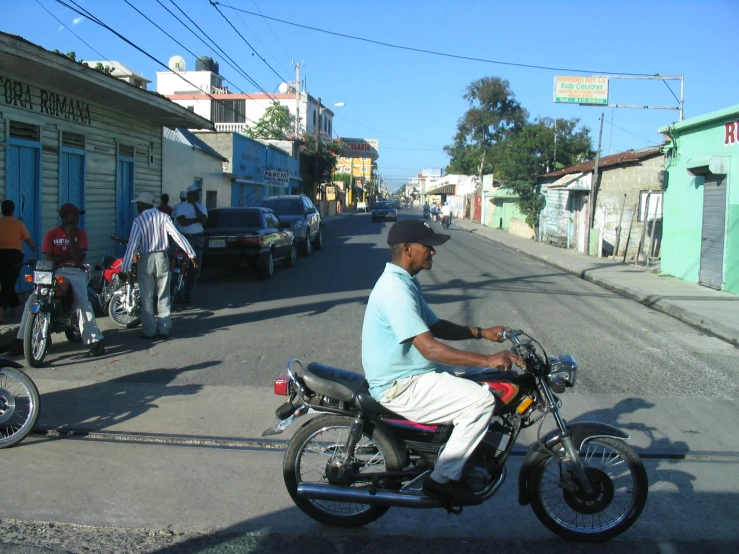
19	403
52	311
350	464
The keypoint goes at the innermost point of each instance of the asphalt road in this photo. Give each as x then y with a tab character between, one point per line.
670	386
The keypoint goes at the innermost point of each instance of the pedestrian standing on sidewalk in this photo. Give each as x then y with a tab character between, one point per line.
149	236
191	215
12	233
164	206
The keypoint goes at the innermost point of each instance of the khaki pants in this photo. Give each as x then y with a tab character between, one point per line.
153	278
440	398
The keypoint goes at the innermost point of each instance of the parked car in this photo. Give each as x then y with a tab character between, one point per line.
252	236
303	217
384	210
362	207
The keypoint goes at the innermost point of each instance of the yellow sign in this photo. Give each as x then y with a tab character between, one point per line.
581	90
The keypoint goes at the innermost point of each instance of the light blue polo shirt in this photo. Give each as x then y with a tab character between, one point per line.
396	313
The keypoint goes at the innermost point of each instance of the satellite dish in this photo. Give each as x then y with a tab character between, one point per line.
176	64
283	88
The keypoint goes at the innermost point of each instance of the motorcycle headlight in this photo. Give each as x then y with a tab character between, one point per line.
563	374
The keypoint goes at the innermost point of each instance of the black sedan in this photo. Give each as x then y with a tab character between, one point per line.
253	236
384	210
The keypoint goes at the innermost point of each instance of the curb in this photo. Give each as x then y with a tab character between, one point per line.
650	301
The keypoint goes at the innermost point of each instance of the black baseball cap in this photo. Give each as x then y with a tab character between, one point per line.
415	230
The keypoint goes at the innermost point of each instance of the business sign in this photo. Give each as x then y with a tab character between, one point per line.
360	148
276	177
21	95
432	173
581	90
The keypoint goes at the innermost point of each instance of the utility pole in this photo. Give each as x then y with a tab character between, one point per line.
297	97
318	138
593	188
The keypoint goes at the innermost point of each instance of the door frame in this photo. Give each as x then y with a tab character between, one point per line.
79	152
719	177
120	249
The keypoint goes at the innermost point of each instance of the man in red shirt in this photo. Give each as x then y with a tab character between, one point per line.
66	246
164	206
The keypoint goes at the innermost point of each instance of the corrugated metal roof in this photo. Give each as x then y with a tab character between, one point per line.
629	156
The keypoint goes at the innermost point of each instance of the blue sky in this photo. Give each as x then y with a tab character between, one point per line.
409	101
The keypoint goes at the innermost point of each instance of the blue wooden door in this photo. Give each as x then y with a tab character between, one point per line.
124	187
22	187
72	180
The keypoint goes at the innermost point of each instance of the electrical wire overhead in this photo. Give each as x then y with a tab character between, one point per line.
435	53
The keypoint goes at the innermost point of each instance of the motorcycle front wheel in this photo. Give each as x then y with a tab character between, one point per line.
619	482
36	338
316	444
19	406
121	311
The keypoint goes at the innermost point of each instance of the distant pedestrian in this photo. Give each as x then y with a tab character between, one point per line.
164	206
183	199
191	215
12	233
149	236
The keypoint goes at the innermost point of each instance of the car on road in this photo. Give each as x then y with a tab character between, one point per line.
362	207
248	236
384	210
303	217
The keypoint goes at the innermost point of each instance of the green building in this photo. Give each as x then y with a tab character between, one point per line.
701	200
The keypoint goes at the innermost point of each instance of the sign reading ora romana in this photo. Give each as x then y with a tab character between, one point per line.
35	99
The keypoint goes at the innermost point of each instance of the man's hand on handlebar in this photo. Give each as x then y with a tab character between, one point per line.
505	360
494	334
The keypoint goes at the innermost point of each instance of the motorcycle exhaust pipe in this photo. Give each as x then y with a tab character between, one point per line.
315	491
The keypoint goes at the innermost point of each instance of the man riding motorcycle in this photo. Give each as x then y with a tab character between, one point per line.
401	353
66	246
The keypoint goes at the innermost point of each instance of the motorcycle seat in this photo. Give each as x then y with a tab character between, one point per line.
369	405
341	384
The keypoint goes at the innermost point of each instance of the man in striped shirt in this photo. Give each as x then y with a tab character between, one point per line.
149	237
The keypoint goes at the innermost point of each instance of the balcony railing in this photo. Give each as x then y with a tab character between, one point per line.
230	127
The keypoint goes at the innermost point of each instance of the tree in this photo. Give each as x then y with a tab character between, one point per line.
531	152
494	114
275	124
317	161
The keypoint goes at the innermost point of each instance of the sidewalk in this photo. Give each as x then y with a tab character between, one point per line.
711	311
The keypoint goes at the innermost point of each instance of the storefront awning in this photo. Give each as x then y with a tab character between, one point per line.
707	165
444	189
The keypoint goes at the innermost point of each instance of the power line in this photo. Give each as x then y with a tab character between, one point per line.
190	51
218	48
246	41
435	53
71	31
270	28
94	19
385	134
257	37
634	134
671	92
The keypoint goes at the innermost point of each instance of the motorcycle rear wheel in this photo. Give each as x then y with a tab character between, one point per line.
36	338
620	486
121	313
19	406
308	454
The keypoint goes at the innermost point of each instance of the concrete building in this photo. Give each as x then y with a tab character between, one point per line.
701	224
70	133
203	91
122	73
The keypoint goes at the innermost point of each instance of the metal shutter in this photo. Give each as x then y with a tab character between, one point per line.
714	231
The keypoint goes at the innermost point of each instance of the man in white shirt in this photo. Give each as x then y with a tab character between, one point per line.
190	217
446	211
150	236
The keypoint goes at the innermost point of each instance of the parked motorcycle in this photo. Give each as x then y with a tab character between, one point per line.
178	275
19	403
109	280
53	311
124	307
350	464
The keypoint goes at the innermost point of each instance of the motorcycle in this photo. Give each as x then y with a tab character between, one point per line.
348	465
446	221
52	311
178	274
426	213
124	307
19	403
109	280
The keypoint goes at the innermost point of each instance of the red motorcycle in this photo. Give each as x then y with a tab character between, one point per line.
347	466
109	280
